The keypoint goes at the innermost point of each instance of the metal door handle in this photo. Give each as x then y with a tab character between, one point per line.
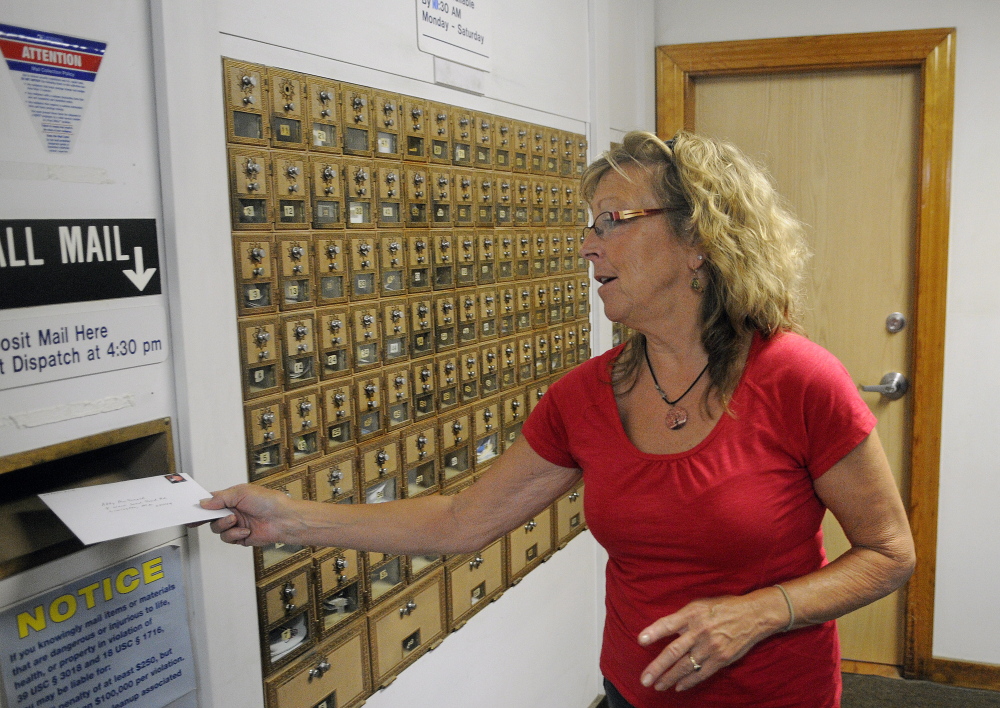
893	386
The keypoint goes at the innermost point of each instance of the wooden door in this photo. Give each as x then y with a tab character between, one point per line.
856	131
842	147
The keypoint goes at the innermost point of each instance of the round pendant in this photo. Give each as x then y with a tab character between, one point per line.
677	418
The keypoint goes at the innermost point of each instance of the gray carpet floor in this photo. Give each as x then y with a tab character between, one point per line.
877	692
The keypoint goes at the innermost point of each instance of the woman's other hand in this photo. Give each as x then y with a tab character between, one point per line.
710	633
260	515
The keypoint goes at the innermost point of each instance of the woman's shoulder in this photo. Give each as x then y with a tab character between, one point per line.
789	357
588	376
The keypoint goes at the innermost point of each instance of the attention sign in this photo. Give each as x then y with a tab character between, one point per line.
54	74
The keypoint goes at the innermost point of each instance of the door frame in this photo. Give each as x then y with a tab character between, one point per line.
933	52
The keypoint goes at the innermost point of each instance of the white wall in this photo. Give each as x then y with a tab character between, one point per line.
966	623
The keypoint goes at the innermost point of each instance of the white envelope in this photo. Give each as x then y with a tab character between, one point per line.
105	511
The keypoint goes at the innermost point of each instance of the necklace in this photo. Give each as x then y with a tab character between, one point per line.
677	417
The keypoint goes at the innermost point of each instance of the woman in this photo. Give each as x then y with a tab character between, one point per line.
732	436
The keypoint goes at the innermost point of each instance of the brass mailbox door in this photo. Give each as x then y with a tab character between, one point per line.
385	577
538	145
259	349
399	397
553	151
392	257
555	348
571	350
483	134
486	425
525	302
455	434
522	254
473	582
255	275
356	108
484	192
334	335
530	544
443	260
415	128
418	261
379	461
287	640
288	109
295	270
462	136
387	119
540	303
468	326
465	257
464	196
469	372
447	380
331	268
359	191
424	389
364	267
522	198
555	309
508	363
371	406
299	339
535	391
339	607
504	197
389	199
419	443
525	358
567	153
440	133
505	247
569	299
489	367
326	177
580	159
570	249
246	101
416	194
506	310
567	215
521	148
554	199
396	334
513	409
421	325
333	477
445	321
486	299
554	259
406	629
249	177
338	415
334	675
569	515
303	420
290	189
324	115
265	437
486	253
440	188
503	137
539	201
542	350
539	253
281	598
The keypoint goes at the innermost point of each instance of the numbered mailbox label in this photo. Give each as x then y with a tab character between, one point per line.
40	349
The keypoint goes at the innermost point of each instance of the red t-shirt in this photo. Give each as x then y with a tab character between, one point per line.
735	513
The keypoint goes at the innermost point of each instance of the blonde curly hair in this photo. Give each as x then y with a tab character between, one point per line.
724	204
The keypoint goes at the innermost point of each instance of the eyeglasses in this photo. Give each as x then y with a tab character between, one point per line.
607	221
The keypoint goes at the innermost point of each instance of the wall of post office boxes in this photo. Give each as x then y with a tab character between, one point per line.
409	283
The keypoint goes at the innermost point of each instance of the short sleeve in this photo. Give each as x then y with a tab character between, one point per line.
545	429
835	417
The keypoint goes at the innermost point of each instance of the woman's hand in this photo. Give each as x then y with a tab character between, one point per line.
710	633
260	515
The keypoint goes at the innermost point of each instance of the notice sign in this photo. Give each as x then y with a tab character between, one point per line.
456	30
52	261
39	349
118	637
54	74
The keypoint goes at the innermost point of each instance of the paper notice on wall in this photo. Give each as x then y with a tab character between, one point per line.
456	30
114	638
54	74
